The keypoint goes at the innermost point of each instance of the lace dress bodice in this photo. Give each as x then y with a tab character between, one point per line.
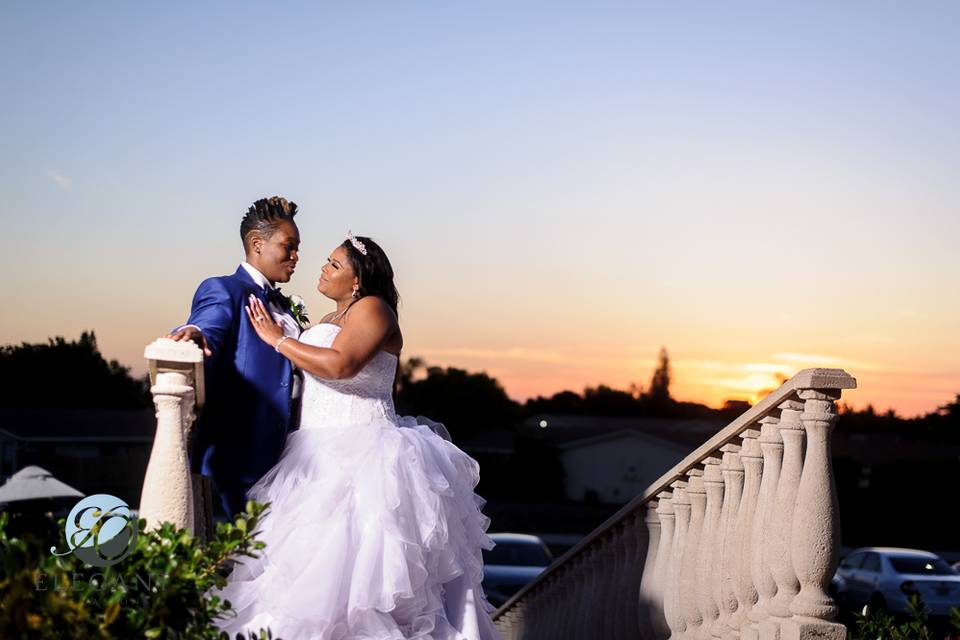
360	399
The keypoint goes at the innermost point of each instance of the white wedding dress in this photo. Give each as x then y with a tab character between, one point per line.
374	531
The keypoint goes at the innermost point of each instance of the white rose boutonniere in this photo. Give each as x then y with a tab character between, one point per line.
299	310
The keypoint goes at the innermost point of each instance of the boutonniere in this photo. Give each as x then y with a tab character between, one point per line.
298	309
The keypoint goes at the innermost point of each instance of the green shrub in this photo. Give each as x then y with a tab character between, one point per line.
158	591
880	625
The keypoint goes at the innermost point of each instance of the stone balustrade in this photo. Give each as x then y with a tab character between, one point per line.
738	541
170	492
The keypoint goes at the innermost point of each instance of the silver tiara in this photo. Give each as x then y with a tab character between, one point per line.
359	246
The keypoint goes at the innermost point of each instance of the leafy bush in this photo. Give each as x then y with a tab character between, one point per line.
880	625
158	591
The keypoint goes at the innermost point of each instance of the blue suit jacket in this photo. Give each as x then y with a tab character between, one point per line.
241	431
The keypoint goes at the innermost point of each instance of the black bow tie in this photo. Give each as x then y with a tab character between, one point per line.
277	298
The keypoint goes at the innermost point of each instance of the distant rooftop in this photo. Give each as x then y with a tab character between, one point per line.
563	428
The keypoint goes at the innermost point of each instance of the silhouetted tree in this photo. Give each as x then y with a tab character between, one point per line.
69	375
465	402
406	372
659	396
605	401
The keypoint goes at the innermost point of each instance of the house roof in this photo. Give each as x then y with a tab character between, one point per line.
621	434
564	428
78	425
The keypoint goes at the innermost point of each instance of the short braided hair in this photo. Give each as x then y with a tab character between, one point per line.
265	215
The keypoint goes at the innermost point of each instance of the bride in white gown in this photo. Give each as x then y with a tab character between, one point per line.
374	531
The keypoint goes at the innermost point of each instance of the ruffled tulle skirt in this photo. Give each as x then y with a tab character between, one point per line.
374	532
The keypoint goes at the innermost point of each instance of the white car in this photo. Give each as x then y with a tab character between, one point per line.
885	577
515	561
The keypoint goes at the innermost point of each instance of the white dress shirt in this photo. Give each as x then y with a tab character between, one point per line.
286	322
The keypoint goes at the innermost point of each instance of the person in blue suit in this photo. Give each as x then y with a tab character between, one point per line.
241	431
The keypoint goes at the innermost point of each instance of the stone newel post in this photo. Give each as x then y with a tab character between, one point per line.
176	373
816	525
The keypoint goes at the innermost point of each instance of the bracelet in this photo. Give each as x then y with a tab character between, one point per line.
276	347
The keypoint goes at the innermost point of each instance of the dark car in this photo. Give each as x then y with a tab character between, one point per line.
514	562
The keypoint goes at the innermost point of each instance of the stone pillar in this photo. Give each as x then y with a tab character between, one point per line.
779	540
664	560
746	591
650	610
689	592
772	448
730	564
681	508
816	526
176	372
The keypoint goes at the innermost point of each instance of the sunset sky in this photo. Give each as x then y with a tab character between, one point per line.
563	188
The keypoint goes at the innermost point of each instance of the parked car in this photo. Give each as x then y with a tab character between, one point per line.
884	577
515	561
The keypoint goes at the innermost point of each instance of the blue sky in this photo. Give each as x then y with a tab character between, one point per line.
562	187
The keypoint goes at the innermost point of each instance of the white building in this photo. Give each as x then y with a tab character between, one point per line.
614	467
612	460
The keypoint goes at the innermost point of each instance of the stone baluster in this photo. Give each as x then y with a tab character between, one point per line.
629	580
176	373
681	509
689	601
650	605
718	627
729	565
816	525
713	483
514	624
536	602
605	612
615	590
587	596
503	625
586	626
664	561
555	624
752	459
779	540
771	445
623	593
577	597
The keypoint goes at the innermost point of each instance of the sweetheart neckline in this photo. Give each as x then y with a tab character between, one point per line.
340	327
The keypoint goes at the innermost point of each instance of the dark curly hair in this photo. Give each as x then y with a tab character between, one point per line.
265	215
373	271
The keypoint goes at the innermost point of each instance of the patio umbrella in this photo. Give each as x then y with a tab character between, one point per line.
35	483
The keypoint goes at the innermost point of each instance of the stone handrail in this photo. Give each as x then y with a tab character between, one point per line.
737	541
170	492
